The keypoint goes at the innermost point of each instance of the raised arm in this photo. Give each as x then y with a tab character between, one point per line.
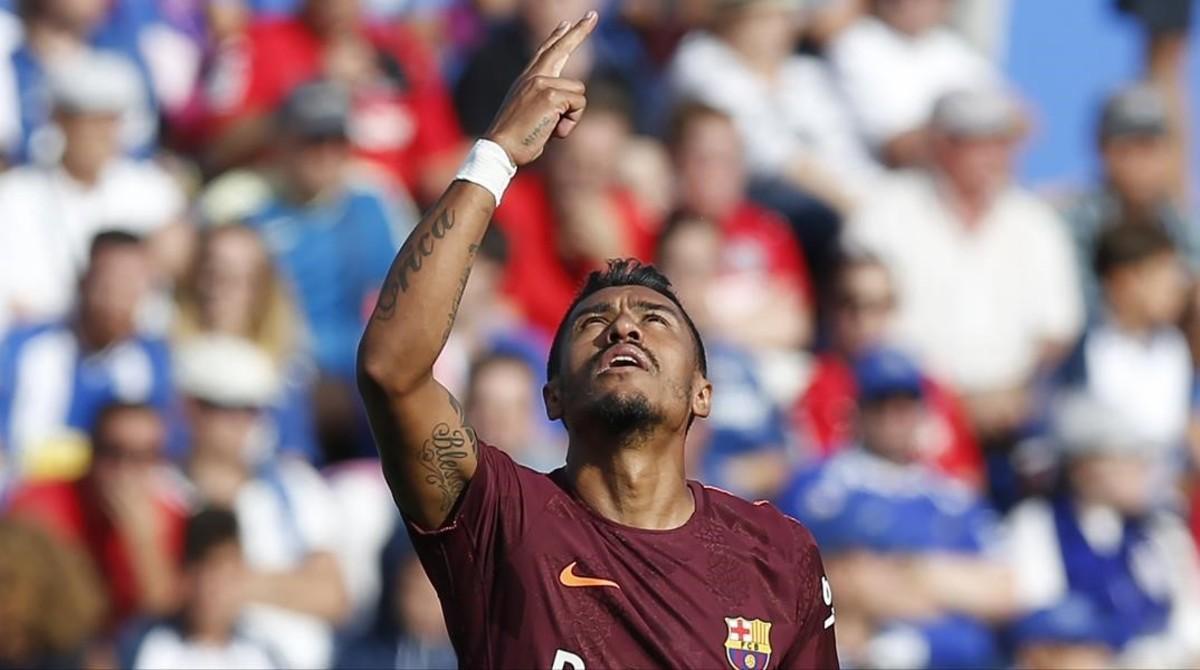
428	451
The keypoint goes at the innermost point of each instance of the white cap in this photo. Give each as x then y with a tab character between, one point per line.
227	371
1084	426
96	82
978	112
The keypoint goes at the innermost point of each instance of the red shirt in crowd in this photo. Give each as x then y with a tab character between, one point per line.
537	278
401	120
70	512
757	239
825	413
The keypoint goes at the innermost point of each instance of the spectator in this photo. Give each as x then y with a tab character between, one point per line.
1134	360
986	285
61	36
894	64
287	518
1070	634
907	548
760	261
51	212
52	602
567	220
790	116
409	632
125	512
1138	184
55	377
332	239
204	633
399	119
862	318
234	290
742	446
502	405
1101	539
614	52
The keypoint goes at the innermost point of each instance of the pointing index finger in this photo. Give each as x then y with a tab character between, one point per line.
554	58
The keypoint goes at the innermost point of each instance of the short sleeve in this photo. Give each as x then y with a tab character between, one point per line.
815	645
461	557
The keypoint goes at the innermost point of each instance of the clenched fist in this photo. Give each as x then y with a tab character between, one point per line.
540	102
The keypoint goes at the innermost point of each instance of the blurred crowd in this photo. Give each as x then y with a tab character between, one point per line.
981	398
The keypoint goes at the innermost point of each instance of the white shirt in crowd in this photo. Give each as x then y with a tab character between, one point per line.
1148	381
283	520
1165	566
49	220
977	304
891	80
164	647
800	113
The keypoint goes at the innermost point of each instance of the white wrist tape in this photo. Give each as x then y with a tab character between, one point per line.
489	166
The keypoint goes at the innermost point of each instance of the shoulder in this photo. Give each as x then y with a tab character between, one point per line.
21	336
865	38
763	519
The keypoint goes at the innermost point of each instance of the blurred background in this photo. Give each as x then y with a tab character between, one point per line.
943	253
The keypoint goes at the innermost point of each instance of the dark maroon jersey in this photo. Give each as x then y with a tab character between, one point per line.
530	577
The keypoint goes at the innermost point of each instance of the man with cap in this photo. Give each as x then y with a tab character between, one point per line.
984	272
1138	183
906	546
332	236
1102	539
293	590
51	212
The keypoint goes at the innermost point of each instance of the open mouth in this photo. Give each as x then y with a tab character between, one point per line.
624	356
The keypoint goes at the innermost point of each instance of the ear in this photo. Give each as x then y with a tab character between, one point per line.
701	397
553	402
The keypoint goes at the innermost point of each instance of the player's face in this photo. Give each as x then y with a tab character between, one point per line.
629	363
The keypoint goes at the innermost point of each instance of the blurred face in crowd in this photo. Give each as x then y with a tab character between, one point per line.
975	166
890	426
78	16
226	19
1138	167
763	32
1121	482
92	141
1151	292
709	166
128	447
865	305
501	404
332	17
223	432
690	257
209	587
629	363
315	166
1049	656
232	270
417	606
113	287
587	160
912	17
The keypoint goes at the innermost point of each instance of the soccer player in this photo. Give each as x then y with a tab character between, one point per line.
615	560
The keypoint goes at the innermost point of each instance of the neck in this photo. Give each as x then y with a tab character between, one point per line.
51	40
86	173
90	338
971	205
639	483
1130	322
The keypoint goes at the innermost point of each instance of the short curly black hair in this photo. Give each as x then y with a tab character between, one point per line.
623	272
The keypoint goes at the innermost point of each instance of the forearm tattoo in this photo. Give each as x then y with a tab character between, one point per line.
442	455
409	262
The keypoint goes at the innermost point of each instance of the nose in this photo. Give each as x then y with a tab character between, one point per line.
624	329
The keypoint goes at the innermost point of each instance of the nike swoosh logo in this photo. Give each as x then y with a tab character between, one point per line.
568	578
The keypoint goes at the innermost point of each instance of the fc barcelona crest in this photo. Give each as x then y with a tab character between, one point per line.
748	643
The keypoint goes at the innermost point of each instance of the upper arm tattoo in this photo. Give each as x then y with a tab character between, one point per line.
442	454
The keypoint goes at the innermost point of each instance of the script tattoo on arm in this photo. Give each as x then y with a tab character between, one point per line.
441	453
419	246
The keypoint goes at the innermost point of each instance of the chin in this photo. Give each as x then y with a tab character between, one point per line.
621	413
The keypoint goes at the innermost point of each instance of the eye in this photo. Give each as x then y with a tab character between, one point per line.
586	322
656	318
